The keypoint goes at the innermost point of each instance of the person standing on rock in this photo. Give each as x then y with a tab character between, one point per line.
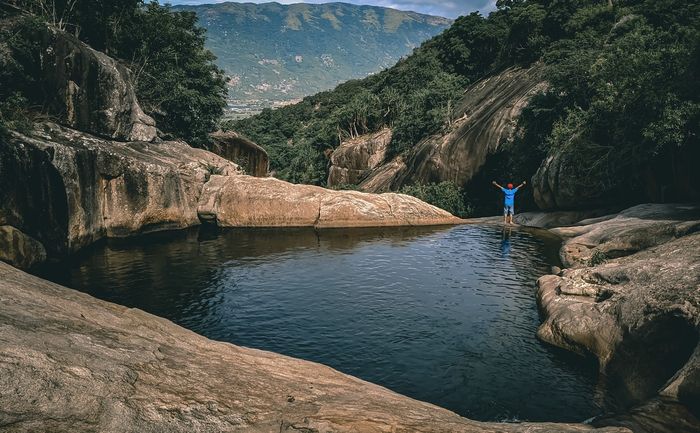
509	200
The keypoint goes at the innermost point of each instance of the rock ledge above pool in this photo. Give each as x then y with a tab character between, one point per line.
64	189
269	202
72	363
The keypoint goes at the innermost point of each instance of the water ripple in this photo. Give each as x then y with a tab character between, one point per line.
442	315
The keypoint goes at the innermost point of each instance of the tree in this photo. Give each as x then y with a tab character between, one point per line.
99	23
176	79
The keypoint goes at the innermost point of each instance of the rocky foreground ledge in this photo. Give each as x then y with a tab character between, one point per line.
72	363
631	297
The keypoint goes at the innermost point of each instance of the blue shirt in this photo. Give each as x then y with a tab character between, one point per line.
509	196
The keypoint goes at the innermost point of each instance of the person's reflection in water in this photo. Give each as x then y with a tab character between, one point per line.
505	241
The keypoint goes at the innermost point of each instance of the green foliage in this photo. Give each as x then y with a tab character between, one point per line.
426	111
626	88
470	44
99	23
18	81
176	80
598	258
445	195
14	114
346	187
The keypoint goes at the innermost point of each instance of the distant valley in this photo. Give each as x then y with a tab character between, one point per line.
276	54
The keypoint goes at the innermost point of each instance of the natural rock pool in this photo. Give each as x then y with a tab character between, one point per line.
444	315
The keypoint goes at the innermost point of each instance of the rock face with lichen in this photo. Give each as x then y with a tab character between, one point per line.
632	299
89	90
72	363
252	158
354	159
486	116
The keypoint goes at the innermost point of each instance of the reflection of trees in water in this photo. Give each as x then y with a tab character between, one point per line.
181	269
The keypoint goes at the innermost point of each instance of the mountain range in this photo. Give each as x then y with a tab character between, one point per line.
281	52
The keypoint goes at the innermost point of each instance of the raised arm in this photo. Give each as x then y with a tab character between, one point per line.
522	184
497	185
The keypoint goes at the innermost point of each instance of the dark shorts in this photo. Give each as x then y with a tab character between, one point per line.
508	210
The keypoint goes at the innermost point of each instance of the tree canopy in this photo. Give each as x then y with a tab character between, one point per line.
176	79
623	77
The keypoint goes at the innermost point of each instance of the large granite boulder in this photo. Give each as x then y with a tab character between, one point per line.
72	363
269	202
67	189
354	159
252	158
487	115
83	88
632	299
639	315
561	183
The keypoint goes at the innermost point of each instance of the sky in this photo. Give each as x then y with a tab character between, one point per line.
444	8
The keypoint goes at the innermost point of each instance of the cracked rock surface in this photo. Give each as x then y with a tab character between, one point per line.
638	313
634	229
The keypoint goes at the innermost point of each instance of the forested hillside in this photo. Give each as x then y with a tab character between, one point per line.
623	93
282	52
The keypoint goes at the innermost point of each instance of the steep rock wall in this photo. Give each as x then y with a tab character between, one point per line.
89	90
68	189
355	158
564	179
487	115
252	158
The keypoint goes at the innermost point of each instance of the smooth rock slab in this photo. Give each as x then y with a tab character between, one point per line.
72	363
269	202
634	229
